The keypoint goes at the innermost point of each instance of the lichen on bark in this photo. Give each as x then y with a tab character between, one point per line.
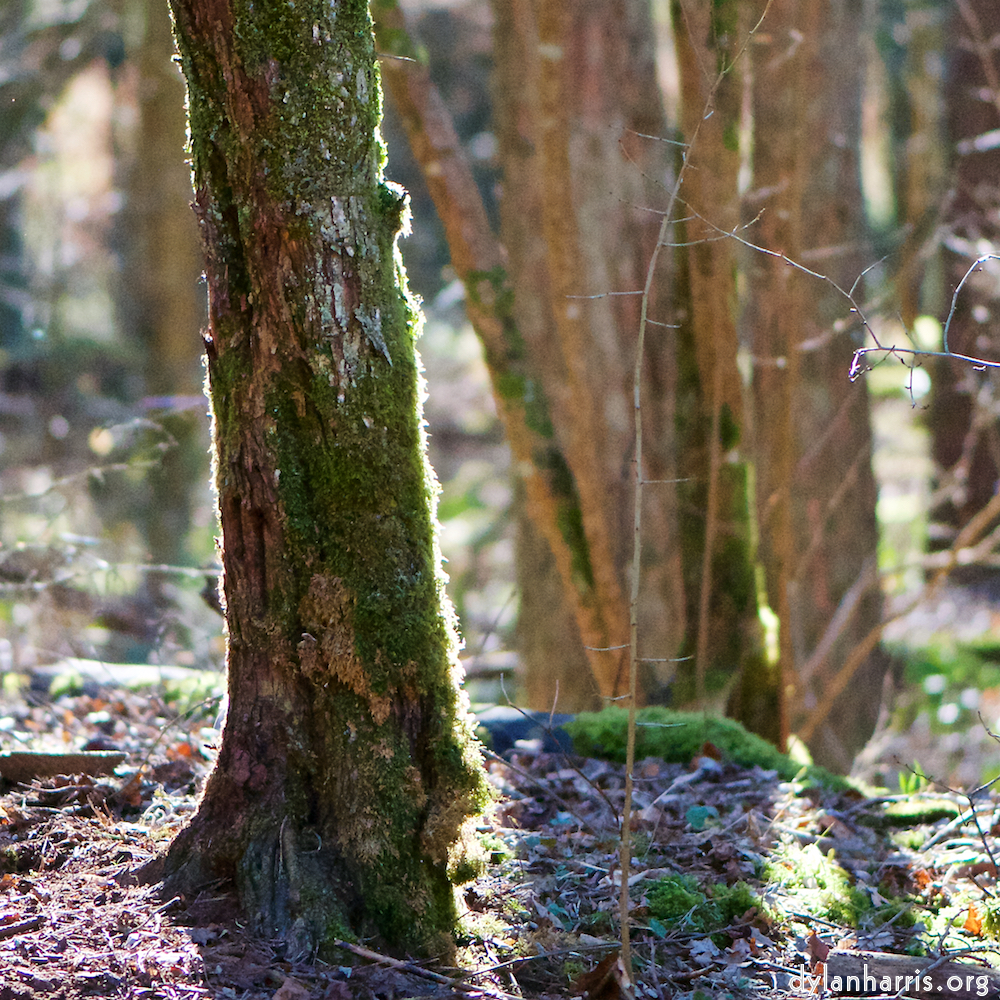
348	774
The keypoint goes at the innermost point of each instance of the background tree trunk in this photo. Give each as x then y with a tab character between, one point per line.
347	771
718	548
550	488
550	672
815	489
914	44
159	299
582	140
965	433
553	668
576	102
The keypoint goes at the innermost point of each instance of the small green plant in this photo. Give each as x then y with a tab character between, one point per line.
734	900
698	816
512	907
12	684
823	885
598	922
910	840
817	884
990	915
67	684
913	781
896	909
481	927
676	901
494	848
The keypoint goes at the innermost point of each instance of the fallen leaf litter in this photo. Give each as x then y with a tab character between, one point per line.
807	869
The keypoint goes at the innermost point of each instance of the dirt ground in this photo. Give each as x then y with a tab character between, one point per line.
741	881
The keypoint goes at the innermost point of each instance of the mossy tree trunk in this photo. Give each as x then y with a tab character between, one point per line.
347	773
715	518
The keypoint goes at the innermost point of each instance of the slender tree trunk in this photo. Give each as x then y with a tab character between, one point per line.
965	434
579	124
550	488
347	772
554	673
551	673
719	556
815	489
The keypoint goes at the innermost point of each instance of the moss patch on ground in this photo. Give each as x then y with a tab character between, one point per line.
919	810
679	737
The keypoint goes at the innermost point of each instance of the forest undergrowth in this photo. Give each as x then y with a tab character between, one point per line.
741	881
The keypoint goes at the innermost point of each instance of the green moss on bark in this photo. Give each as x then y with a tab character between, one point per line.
736	662
348	770
513	381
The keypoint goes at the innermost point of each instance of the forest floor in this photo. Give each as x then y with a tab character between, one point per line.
743	884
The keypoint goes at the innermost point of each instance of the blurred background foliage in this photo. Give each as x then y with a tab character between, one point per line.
107	522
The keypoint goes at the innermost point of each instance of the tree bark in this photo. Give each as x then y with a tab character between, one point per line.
965	435
347	773
551	492
715	519
815	489
579	122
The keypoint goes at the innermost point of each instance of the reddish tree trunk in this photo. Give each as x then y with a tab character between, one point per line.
965	434
815	489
